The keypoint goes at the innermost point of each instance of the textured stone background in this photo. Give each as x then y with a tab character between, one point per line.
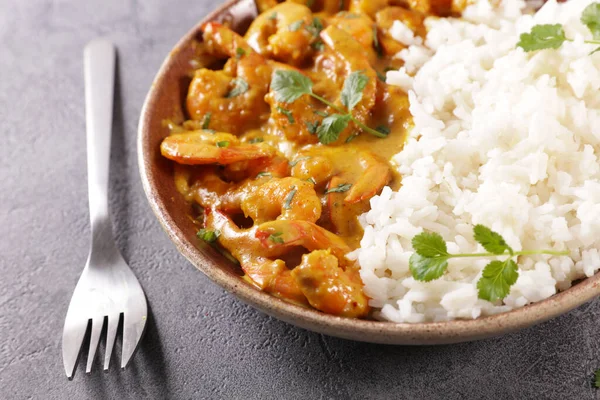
200	342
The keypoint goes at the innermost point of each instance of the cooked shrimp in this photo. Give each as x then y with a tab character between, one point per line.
269	274
230	100
283	199
203	147
385	20
281	33
360	27
330	288
368	7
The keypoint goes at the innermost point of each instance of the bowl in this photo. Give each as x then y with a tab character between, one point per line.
165	101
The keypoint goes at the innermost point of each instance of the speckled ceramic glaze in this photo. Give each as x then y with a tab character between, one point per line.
165	100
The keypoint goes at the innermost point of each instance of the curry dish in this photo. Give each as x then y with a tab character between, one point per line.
290	138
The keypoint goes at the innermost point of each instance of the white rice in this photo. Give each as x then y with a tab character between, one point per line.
503	138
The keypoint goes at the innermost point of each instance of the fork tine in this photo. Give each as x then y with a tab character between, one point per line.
73	334
111	334
97	323
133	328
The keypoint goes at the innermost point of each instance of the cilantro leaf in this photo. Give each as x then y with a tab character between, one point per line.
224	143
256	140
594	51
376	42
542	37
426	269
240	86
239	53
264	173
383	129
312	127
329	131
276	238
497	278
315	27
429	245
590	17
352	91
206	120
490	240
207	235
597	378
289	86
287	113
294	26
297	160
288	200
341	188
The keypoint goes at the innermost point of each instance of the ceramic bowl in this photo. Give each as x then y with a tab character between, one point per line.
165	101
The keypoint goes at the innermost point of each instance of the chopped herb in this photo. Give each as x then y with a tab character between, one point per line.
224	143
239	53
318	45
287	113
289	86
597	378
297	160
312	127
288	200
256	140
315	27
341	188
376	43
261	174
206	120
208	235
273	16
351	138
381	76
321	113
312	180
352	92
294	26
240	86
329	131
542	37
210	131
431	256
276	238
383	129
590	17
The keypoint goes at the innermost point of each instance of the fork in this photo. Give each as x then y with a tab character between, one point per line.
107	287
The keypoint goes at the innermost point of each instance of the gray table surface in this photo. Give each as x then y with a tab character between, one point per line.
201	342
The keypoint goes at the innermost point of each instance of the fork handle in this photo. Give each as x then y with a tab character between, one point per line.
99	71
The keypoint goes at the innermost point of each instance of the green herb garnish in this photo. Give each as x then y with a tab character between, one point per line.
289	86
597	378
312	127
431	256
206	120
240	86
288	200
383	129
315	27
297	160
276	238
256	140
312	180
294	26
273	16
264	173
341	188
376	43
224	143
381	76
208	235
239	53
552	36
318	45
287	113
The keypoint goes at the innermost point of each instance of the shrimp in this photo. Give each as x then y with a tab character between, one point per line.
259	265
368	7
360	27
283	199
282	34
330	288
230	99
385	20
203	147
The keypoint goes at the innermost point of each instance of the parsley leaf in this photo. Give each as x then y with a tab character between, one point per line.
542	37
427	269
264	173
376	43
294	26
590	17
332	126
289	86
276	238
312	127
315	27
256	140
206	120
288	200
490	240
240	86
352	91
341	188
297	160
207	235
318	45
497	278
287	113
429	244
224	143
383	129
239	53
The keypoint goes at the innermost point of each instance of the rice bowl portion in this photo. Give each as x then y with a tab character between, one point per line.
502	137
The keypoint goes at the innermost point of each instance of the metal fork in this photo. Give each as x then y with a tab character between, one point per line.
107	287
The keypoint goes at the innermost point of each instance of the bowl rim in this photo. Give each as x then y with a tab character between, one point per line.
427	333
